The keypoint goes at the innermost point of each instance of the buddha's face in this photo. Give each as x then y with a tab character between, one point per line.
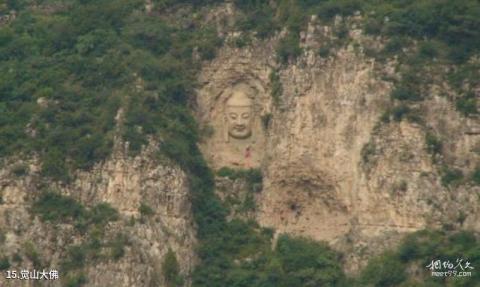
239	116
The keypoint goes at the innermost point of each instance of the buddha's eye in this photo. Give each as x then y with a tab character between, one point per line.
233	116
245	115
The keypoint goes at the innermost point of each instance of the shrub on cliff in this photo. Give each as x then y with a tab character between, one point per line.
171	270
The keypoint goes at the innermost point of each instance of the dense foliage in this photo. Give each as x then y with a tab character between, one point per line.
295	261
408	265
67	73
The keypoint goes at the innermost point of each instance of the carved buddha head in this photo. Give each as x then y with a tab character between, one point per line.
239	115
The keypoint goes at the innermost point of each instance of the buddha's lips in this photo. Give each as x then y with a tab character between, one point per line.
240	128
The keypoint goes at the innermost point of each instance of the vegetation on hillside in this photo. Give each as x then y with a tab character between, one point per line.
295	261
67	73
409	264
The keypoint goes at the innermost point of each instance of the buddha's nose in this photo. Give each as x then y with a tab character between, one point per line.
239	122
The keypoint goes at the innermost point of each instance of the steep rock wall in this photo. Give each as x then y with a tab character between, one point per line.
332	170
125	183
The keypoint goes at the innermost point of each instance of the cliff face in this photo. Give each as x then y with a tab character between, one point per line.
332	170
126	183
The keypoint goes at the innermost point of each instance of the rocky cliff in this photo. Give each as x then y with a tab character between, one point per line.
333	170
154	216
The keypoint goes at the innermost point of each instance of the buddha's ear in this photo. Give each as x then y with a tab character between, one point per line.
225	128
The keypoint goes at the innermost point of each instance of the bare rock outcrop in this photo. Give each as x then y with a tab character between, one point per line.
125	183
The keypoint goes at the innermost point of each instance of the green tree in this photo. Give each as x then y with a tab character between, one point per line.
171	270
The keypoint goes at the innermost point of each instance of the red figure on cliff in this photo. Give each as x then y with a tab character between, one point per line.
248	155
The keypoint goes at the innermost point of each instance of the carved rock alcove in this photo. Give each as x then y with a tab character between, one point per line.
231	104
